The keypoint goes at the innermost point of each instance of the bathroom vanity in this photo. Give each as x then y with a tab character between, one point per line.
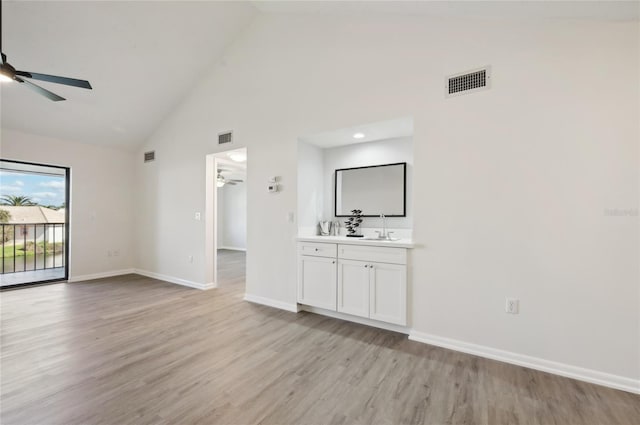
365	278
368	185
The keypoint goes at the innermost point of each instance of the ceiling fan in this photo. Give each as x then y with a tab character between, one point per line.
221	180
9	73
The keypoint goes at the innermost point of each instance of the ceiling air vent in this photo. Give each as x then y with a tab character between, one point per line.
149	156
225	137
468	82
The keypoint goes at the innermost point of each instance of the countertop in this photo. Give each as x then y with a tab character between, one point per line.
400	243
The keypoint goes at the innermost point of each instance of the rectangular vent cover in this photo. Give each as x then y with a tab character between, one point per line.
149	156
468	82
225	138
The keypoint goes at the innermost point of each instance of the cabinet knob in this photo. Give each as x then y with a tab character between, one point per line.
333	262
317	250
366	265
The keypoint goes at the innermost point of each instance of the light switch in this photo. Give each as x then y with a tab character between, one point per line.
197	217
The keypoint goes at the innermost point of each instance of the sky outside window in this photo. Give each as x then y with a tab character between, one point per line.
43	189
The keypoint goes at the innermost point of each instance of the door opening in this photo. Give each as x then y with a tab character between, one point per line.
227	217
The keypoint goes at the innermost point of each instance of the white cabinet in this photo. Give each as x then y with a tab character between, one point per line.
317	277
374	290
353	287
388	293
364	281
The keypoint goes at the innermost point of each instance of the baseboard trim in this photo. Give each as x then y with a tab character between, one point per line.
232	248
569	371
356	319
271	303
176	280
102	275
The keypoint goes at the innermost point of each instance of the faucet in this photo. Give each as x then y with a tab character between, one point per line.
383	234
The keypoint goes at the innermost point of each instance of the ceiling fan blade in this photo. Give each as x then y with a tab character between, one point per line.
236	181
40	90
4	57
55	79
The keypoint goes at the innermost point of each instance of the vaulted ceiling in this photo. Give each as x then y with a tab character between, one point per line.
144	57
141	58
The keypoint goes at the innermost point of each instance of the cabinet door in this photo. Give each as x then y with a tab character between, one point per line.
388	293
353	287
317	281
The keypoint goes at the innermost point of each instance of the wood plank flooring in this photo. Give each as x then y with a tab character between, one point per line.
134	350
231	267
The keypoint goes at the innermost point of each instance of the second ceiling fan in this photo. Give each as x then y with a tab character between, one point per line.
222	180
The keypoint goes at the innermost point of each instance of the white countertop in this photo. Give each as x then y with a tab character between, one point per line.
400	243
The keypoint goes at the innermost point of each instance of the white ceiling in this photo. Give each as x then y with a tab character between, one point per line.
143	57
232	169
382	130
140	57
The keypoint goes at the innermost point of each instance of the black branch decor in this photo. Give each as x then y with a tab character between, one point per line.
353	223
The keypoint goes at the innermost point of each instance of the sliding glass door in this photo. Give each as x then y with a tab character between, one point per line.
34	223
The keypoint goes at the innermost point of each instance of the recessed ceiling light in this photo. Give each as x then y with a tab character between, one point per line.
238	156
358	136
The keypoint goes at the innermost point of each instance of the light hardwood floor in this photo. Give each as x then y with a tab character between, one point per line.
133	350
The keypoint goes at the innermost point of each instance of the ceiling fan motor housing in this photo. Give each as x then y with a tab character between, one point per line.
7	70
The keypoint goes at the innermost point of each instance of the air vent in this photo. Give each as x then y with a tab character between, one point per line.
225	138
149	156
468	82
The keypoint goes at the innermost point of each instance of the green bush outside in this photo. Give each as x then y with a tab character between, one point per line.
20	250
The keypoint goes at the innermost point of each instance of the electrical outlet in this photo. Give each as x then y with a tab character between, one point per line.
116	252
512	306
197	216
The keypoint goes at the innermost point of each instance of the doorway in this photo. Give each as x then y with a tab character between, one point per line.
34	223
227	217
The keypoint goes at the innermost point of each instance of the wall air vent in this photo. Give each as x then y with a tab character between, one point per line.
226	137
149	156
468	82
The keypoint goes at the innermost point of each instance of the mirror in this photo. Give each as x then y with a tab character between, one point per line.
376	189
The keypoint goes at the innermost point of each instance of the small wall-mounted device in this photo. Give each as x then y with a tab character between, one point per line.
273	185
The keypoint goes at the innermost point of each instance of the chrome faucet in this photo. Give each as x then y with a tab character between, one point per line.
383	234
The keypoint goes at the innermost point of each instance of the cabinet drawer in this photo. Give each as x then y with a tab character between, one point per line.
317	249
373	253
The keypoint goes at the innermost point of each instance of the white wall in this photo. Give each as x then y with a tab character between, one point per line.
512	183
101	213
310	187
232	217
363	154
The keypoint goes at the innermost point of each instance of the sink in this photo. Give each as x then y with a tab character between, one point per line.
377	238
